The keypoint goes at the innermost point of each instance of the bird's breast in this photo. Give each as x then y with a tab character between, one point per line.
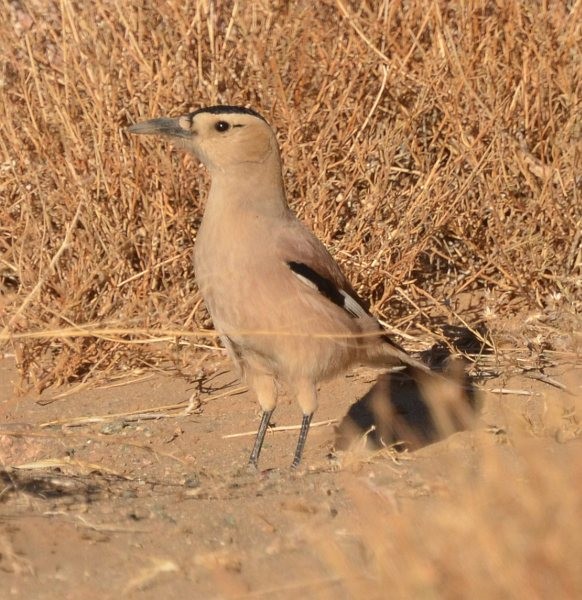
231	259
255	299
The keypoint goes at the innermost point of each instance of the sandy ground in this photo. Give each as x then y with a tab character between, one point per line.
162	505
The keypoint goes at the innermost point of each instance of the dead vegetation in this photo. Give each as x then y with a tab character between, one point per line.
507	534
436	150
435	147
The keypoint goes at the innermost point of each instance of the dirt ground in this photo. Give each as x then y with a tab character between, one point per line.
161	504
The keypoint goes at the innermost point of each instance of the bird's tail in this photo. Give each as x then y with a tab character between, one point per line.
388	352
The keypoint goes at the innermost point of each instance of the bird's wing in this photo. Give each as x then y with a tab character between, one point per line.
308	259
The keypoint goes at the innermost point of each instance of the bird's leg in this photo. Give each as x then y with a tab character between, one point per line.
307	399
301	441
254	459
266	391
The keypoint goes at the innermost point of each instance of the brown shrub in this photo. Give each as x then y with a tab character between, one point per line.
435	149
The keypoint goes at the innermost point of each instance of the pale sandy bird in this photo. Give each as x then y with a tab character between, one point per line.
283	307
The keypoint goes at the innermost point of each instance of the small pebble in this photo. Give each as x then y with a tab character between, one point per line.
192	481
112	427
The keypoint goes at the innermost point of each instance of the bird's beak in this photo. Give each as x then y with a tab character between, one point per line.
167	127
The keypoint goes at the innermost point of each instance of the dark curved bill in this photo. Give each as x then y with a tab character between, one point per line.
164	126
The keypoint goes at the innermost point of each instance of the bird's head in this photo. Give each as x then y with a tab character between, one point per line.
221	137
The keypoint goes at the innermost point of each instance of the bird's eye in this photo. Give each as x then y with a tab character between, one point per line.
221	126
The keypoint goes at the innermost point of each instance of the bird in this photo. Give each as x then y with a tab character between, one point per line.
284	310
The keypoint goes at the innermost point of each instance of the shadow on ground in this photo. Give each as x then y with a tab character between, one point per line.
410	410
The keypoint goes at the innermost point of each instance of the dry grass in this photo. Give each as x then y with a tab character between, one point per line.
499	526
435	148
479	515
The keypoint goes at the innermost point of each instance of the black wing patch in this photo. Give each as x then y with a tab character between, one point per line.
328	289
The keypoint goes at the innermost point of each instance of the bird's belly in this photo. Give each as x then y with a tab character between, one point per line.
278	324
